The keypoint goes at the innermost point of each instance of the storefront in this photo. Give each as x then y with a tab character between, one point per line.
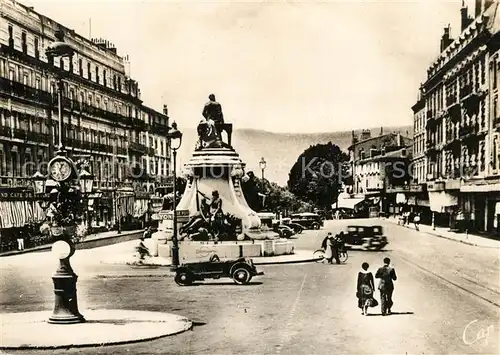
18	208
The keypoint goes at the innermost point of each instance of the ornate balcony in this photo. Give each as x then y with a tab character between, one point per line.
23	91
138	148
451	100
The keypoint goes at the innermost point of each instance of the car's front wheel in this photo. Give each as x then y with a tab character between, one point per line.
183	278
316	226
241	276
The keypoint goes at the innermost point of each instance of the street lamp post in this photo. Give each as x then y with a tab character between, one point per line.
62	50
65	202
262	165
174	137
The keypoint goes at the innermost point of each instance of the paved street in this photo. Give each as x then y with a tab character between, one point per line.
446	301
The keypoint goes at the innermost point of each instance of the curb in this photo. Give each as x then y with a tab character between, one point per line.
84	244
448	238
120	318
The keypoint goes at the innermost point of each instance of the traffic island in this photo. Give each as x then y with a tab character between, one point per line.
30	330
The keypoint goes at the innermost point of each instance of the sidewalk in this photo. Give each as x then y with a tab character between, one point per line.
469	239
81	245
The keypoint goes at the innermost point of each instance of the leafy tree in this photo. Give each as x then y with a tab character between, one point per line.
317	174
277	198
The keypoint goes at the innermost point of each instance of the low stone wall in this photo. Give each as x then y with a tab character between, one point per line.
102	242
201	251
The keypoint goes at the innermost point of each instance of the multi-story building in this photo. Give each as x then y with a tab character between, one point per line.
378	164
461	109
104	118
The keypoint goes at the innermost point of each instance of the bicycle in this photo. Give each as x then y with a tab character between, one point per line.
319	255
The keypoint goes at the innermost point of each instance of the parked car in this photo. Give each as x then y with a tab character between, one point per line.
308	220
297	228
240	270
367	237
282	229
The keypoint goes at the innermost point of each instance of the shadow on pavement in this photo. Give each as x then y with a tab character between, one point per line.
225	284
197	323
392	314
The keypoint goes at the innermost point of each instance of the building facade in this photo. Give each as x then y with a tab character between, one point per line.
104	119
378	164
461	115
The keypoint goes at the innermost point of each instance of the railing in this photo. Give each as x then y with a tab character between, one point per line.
451	100
24	91
466	90
138	148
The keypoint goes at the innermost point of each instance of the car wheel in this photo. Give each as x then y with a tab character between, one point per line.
316	226
241	276
183	278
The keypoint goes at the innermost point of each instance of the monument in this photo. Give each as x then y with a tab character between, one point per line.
213	210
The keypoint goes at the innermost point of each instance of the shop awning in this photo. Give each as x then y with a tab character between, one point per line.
15	214
348	202
438	201
140	208
400	198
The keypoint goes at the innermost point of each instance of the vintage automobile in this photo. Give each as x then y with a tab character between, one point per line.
297	228
283	230
308	220
240	270
367	237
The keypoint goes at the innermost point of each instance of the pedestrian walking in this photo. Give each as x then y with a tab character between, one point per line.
387	275
416	221
338	243
365	289
329	248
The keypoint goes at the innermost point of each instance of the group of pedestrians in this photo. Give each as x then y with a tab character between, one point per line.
366	287
407	217
332	246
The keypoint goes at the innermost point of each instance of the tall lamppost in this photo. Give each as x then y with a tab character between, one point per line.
262	165
62	50
174	137
65	208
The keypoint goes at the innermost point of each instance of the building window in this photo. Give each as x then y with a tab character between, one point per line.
37	49
494	162
97	74
495	109
89	72
104	81
80	66
495	76
11	36
24	44
119	84
114	82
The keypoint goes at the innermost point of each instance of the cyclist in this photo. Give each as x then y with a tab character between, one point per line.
338	245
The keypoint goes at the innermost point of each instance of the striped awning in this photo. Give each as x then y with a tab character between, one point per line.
140	207
16	214
125	206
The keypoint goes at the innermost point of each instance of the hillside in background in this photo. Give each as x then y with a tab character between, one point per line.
280	150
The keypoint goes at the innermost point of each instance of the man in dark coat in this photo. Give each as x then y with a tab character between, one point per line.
387	275
213	110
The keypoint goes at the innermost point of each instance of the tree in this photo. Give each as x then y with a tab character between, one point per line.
317	174
278	199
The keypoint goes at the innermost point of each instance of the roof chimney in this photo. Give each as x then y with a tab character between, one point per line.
478	8
381	130
165	110
446	39
465	19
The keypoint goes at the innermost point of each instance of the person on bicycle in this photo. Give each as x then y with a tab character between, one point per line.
338	244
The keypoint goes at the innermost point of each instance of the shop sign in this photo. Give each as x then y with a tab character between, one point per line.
16	195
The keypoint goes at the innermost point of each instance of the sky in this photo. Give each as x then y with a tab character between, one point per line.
281	66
